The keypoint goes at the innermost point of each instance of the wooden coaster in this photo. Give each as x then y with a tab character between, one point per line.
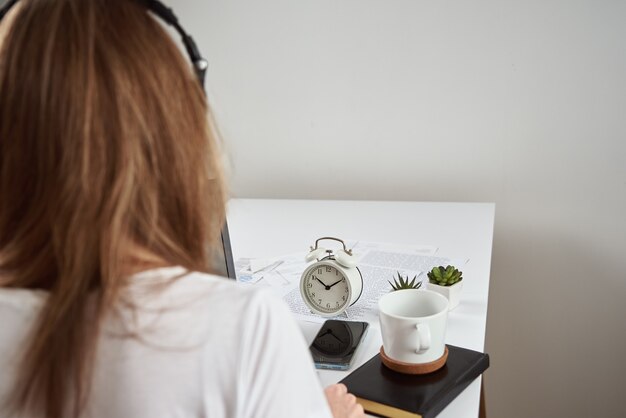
412	368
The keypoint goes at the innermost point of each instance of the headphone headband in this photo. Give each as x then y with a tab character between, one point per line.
167	15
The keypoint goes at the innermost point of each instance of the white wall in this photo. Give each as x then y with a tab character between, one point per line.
518	102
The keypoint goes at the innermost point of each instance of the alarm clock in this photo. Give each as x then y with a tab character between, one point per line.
333	282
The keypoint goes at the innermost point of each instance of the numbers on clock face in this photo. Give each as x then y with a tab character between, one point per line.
326	288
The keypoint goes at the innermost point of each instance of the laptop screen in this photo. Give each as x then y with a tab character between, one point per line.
223	263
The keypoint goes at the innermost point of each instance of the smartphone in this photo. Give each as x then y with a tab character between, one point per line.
336	343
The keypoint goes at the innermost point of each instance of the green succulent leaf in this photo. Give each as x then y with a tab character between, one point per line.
404	283
445	276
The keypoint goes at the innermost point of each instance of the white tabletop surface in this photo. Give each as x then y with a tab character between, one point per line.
261	228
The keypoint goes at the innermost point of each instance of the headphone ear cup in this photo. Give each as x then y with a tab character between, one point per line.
315	254
345	259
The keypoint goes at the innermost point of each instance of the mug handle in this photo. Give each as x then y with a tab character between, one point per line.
423	337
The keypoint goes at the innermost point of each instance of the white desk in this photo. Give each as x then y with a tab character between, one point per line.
267	228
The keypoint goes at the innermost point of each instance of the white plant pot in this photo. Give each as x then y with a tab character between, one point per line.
452	293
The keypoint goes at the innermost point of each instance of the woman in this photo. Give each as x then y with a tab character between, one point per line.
110	195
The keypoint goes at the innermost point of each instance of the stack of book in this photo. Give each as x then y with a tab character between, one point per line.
384	392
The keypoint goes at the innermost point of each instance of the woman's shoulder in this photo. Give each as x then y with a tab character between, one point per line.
178	281
174	307
203	293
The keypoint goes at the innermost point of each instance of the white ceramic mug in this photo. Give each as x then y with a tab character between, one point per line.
413	325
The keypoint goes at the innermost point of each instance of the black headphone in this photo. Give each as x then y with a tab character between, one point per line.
166	15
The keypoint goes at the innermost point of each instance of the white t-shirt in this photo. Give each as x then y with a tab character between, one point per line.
200	346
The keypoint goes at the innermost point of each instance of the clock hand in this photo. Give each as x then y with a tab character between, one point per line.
334	283
326	286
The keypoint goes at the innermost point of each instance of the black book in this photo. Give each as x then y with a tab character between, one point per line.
384	392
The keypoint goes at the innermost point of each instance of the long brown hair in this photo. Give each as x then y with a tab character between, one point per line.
105	145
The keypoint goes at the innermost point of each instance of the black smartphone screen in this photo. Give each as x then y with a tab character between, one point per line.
336	342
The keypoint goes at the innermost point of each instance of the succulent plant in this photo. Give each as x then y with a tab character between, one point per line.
445	276
401	283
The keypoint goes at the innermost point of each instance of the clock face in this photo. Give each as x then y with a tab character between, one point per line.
325	288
